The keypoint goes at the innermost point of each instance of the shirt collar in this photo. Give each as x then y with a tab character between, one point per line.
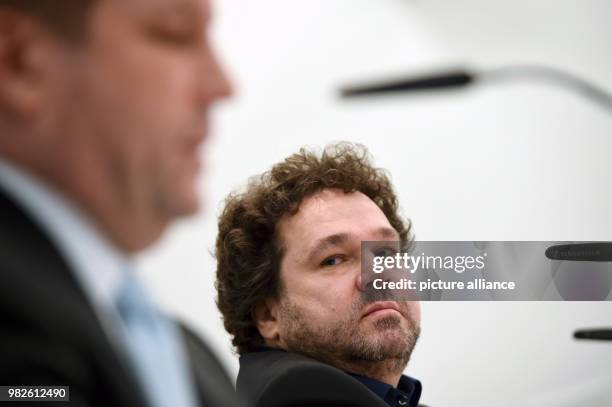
408	388
97	263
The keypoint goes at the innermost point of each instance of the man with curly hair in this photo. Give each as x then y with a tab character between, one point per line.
290	289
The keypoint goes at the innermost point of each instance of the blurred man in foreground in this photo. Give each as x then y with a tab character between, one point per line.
290	290
103	107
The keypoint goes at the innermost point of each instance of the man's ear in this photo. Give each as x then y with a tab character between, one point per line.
265	316
25	47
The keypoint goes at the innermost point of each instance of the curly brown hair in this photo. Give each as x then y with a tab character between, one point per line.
248	249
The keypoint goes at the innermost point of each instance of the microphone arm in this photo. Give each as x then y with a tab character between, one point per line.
462	78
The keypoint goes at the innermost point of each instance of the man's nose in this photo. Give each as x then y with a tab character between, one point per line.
359	282
214	83
364	280
365	276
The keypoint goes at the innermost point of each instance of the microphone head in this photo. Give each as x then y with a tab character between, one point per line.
434	81
594	334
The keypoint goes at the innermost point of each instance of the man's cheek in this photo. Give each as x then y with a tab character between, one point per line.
415	312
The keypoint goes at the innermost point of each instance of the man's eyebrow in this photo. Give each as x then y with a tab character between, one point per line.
388	233
325	243
183	9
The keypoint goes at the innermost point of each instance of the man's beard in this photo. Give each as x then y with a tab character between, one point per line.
348	344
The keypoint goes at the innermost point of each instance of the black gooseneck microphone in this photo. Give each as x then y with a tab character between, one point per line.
438	81
462	78
594	334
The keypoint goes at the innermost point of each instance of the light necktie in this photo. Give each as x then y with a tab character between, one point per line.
154	348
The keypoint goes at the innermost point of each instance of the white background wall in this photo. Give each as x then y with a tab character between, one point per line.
511	162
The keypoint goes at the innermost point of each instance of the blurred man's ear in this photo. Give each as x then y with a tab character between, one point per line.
266	319
25	58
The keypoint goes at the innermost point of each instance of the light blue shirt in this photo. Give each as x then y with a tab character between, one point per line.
106	275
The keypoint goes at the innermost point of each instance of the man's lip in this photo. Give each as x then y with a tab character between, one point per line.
380	305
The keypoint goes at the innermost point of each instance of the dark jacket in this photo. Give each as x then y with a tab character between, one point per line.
50	335
274	378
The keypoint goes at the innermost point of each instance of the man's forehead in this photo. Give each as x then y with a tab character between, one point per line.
335	204
334	212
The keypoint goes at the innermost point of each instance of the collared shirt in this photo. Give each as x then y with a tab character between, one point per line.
97	265
407	393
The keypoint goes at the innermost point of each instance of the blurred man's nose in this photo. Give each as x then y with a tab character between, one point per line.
214	83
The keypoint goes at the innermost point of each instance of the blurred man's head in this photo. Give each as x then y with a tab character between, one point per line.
108	100
289	263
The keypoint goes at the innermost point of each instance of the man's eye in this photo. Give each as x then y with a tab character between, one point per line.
332	260
174	36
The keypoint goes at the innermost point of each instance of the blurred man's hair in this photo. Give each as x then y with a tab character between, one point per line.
248	249
67	18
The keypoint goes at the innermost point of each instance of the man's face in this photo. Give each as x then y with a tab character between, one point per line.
131	105
322	312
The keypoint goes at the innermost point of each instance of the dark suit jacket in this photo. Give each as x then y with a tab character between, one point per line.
50	335
274	378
